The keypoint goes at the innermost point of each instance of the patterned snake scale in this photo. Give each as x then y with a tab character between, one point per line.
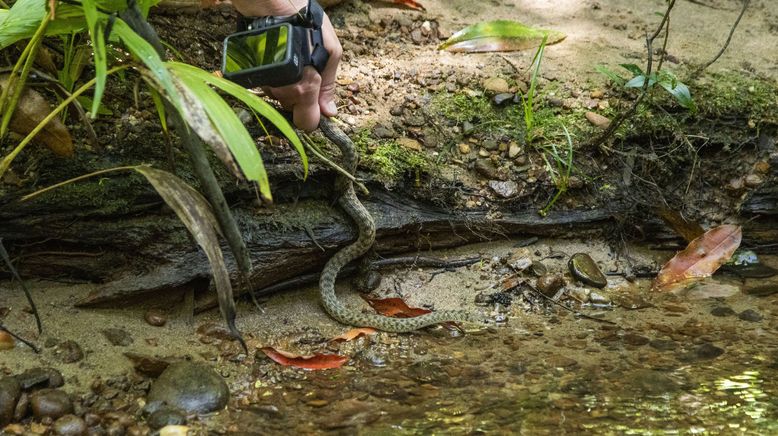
351	205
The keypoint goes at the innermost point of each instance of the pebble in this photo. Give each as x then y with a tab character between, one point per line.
513	150
118	337
155	317
750	315
505	189
40	378
635	339
496	85
599	299
464	148
583	268
10	391
409	143
69	425
69	351
50	403
166	416
707	351
722	311
503	98
549	284
6	341
597	93
189	386
381	131
487	169
597	120
753	180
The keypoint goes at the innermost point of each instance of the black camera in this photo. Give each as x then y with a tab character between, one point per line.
272	51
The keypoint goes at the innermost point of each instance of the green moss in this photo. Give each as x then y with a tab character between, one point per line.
461	107
108	195
388	160
736	94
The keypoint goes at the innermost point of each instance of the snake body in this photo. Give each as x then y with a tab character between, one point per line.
349	202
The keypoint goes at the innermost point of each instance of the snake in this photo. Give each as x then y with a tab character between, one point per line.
349	202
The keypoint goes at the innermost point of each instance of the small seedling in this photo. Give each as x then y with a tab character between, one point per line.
663	78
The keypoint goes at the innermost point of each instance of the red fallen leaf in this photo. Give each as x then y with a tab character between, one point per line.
354	333
702	257
316	361
394	307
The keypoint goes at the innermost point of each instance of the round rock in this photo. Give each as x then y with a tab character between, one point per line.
10	391
69	425
50	403
190	387
165	416
583	268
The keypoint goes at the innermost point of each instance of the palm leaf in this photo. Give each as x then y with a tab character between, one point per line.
254	102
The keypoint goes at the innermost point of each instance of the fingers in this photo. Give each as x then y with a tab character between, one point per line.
302	99
314	94
329	74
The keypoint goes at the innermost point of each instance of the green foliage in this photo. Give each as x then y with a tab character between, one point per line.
561	169
499	35
388	160
528	100
664	78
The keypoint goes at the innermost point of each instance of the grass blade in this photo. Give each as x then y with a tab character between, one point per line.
98	41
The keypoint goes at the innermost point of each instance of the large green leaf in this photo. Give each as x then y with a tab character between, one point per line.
499	35
215	123
254	102
95	23
24	17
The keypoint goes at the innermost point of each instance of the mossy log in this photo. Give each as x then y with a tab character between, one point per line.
139	248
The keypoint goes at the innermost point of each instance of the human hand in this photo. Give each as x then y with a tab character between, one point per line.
314	94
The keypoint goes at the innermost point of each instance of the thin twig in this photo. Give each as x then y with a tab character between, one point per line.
20	339
312	148
729	38
574	312
664	46
15	274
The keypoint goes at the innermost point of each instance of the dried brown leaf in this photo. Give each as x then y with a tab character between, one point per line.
702	257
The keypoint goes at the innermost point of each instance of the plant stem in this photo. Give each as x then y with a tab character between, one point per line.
729	38
75	179
626	115
6	162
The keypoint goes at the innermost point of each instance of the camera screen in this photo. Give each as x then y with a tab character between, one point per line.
251	50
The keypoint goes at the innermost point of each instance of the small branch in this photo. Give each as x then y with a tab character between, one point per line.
626	115
664	46
729	38
310	147
15	275
20	339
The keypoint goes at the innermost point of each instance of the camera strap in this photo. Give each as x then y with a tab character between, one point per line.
319	55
